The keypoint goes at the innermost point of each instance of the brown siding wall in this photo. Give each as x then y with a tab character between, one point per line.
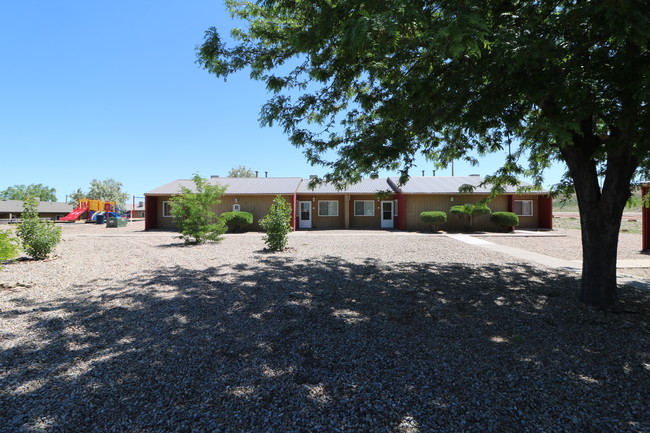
325	222
166	223
365	222
418	203
258	205
529	221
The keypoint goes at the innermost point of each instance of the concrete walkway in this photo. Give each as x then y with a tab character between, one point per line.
556	263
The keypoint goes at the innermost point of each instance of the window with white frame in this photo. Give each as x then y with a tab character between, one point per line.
524	207
167	209
364	208
328	208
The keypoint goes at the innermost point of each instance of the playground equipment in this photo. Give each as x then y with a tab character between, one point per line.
94	208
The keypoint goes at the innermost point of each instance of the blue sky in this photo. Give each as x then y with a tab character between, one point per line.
98	90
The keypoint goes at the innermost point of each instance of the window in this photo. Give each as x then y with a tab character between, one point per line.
524	207
328	208
167	209
364	208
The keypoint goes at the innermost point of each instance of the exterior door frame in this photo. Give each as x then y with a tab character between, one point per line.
304	224
385	223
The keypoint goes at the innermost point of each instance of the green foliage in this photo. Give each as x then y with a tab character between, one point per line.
505	220
374	84
39	238
434	219
468	213
9	246
107	190
21	192
277	224
193	214
241	171
236	220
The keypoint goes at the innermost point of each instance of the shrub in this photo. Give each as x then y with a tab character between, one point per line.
506	221
277	224
39	238
9	246
468	213
434	219
235	220
193	214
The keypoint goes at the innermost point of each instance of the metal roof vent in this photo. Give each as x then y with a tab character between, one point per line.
475	175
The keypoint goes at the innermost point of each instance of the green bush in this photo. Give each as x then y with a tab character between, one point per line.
39	238
434	219
193	214
236	220
9	246
506	221
277	224
469	212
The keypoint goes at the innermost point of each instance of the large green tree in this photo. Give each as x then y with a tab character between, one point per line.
21	192
379	82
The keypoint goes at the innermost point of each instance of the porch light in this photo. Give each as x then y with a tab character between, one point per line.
236	200
452	199
313	199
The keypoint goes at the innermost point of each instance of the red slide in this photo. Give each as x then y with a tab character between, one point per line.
75	214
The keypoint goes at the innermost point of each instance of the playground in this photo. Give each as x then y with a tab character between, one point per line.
93	211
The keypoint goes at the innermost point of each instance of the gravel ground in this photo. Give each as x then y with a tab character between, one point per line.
129	331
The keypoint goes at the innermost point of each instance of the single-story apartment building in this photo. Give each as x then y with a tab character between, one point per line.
10	210
371	203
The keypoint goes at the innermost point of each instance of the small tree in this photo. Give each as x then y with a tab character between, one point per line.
434	219
9	246
236	220
277	224
241	171
39	238
193	214
468	212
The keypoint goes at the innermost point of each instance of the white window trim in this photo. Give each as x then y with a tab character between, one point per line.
163	209
337	208
372	202
522	207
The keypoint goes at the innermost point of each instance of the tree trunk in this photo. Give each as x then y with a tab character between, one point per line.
599	248
601	209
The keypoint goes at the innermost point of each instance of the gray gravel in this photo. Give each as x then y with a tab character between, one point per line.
129	331
569	247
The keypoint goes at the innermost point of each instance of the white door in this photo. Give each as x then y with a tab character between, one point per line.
387	214
304	214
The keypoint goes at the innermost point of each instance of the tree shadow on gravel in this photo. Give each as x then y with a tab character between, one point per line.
318	345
